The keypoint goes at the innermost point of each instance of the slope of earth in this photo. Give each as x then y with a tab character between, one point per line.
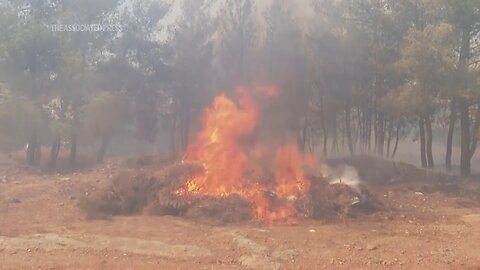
41	227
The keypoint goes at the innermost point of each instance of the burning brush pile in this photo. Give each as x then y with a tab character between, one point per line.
225	176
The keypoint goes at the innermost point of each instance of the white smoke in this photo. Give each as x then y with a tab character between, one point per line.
342	174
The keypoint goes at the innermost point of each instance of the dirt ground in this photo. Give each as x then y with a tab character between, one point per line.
41	227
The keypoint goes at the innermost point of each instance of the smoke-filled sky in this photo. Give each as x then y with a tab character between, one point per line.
301	12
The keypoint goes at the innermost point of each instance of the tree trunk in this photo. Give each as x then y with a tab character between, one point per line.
348	127
311	142
375	132
465	167
73	150
361	129
54	153
381	134
103	149
173	137
396	142
343	134
38	153
185	128
334	137
476	126
302	138
73	136
389	139
369	131
423	156
324	127
429	135
451	130
465	138
325	144
32	149
368	127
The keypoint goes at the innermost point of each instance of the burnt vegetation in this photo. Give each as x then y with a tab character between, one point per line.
154	191
132	193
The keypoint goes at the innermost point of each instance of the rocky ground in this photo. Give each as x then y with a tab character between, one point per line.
428	221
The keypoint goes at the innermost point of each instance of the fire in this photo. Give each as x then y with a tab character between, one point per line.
220	147
289	171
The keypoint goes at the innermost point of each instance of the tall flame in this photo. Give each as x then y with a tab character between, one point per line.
220	149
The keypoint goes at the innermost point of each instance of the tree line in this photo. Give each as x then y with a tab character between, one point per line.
354	75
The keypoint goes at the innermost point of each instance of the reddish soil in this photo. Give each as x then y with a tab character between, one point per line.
41	227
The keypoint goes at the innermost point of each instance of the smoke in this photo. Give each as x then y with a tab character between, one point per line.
342	174
336	174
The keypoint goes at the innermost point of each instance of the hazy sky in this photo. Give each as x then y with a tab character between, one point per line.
300	10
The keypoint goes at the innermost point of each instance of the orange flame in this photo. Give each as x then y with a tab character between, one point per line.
219	147
289	171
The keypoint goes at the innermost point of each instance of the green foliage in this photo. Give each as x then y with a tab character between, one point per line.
405	100
428	59
32	57
428	56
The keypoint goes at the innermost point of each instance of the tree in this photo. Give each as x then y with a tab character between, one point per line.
31	60
428	61
236	30
81	50
465	17
191	69
17	117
